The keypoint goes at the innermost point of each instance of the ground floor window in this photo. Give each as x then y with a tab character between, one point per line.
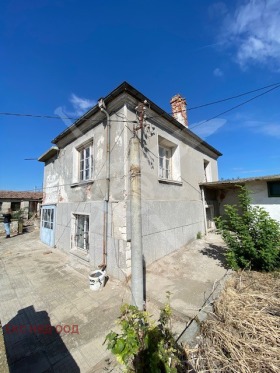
273	188
15	206
47	218
82	232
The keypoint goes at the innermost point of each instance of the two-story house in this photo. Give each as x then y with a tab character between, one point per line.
86	204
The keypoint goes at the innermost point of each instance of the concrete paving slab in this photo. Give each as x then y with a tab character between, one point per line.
190	274
43	296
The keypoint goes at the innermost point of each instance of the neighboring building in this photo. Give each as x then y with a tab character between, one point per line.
83	164
29	202
264	192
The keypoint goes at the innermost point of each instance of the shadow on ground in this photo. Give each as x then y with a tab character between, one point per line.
34	345
217	253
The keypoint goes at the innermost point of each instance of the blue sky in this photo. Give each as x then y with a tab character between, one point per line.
59	56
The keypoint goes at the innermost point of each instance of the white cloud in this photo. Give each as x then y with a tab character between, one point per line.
216	10
266	128
254	31
81	105
218	72
257	171
208	128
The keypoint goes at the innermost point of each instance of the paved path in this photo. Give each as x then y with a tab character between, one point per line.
41	294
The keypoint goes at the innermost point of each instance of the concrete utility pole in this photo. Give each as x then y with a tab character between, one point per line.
137	276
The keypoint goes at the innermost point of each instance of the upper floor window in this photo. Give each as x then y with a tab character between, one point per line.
273	188
207	170
169	160
86	163
165	170
83	164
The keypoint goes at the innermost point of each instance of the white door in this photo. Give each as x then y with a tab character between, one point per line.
47	225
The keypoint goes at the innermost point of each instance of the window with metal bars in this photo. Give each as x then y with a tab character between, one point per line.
82	232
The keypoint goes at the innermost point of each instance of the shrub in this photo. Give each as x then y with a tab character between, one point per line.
199	236
19	214
252	236
143	345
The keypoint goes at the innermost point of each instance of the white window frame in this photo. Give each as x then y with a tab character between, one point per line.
85	232
83	164
168	161
165	162
207	170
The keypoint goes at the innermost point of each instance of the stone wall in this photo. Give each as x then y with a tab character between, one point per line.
14	227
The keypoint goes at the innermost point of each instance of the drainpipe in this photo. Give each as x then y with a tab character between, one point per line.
102	107
204	210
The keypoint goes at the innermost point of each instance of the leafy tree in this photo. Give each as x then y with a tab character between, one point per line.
252	236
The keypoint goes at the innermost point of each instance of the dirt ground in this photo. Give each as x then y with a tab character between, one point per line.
3	360
243	334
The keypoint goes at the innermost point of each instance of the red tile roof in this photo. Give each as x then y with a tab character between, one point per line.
29	196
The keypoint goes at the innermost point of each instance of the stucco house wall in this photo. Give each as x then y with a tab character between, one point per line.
259	195
73	198
172	211
227	194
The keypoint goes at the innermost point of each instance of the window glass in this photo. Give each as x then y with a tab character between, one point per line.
165	163
273	188
48	218
82	231
85	163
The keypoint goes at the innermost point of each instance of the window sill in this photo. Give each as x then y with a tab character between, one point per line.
81	183
170	181
80	254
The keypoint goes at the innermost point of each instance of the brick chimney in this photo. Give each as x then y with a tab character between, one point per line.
179	109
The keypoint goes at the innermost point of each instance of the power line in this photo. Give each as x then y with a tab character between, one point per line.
235	107
43	116
57	117
233	97
276	85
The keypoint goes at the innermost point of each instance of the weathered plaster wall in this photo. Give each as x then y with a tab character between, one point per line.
117	246
226	197
72	197
172	213
60	177
259	197
7	205
13	227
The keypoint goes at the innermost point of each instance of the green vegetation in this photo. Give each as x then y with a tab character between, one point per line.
199	236
146	346
252	236
19	214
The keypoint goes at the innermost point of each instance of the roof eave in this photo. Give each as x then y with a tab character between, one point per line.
48	154
233	183
126	87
